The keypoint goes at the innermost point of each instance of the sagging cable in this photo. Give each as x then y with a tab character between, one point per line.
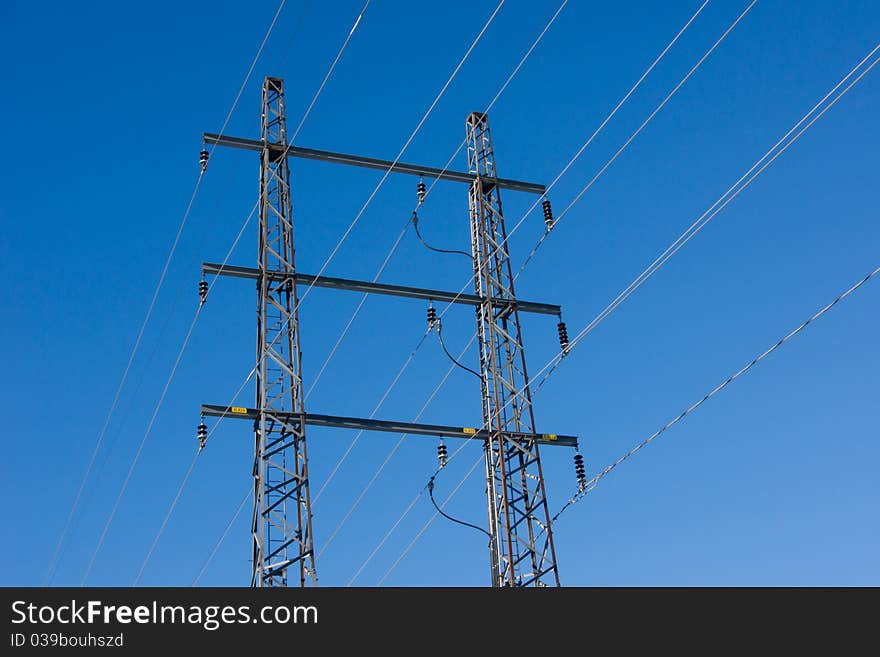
447	516
421	193
434	322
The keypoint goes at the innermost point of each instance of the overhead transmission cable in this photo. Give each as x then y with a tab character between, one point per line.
381	183
595	133
401	234
53	562
184	482
592	483
554	362
375	410
632	137
598	130
406	226
156	410
415	223
449	517
430	520
302	121
384	177
421	199
390	455
450	356
223	536
409	508
403	149
723	201
330	70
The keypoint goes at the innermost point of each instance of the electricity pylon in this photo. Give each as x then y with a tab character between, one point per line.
521	549
521	539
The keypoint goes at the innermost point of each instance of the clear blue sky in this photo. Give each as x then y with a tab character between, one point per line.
773	482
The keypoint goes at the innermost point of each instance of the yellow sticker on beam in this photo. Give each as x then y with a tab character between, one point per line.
239	409
550	436
469	431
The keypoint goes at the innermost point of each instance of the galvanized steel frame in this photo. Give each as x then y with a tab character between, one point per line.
521	554
282	519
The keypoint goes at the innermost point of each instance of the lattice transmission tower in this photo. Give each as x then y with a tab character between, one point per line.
521	547
521	539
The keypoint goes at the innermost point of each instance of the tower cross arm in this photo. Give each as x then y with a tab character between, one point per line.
368	162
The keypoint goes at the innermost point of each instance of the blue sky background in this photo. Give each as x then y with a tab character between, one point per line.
774	482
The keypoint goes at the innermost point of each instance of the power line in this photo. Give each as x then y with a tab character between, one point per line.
323	84
430	520
723	201
568	165
450	356
500	91
421	200
357	311
184	482
717	207
223	536
173	506
592	483
415	223
390	455
406	144
659	107
386	537
375	410
632	137
550	367
369	201
253	371
53	562
449	517
157	408
402	516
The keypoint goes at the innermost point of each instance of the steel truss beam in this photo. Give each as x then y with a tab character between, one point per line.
341	422
279	148
380	288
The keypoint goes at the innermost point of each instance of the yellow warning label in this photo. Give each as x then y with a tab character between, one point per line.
550	436
239	409
469	431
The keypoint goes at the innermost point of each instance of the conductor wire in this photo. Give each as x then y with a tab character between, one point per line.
415	222
446	515
450	356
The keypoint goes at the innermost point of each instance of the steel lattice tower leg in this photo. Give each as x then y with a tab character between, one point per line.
521	540
282	518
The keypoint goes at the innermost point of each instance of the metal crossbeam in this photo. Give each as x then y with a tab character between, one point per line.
278	149
379	288
341	422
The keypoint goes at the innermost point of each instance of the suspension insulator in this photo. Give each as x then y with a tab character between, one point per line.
421	191
441	454
432	317
202	434
203	159
203	291
563	336
579	471
548	213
